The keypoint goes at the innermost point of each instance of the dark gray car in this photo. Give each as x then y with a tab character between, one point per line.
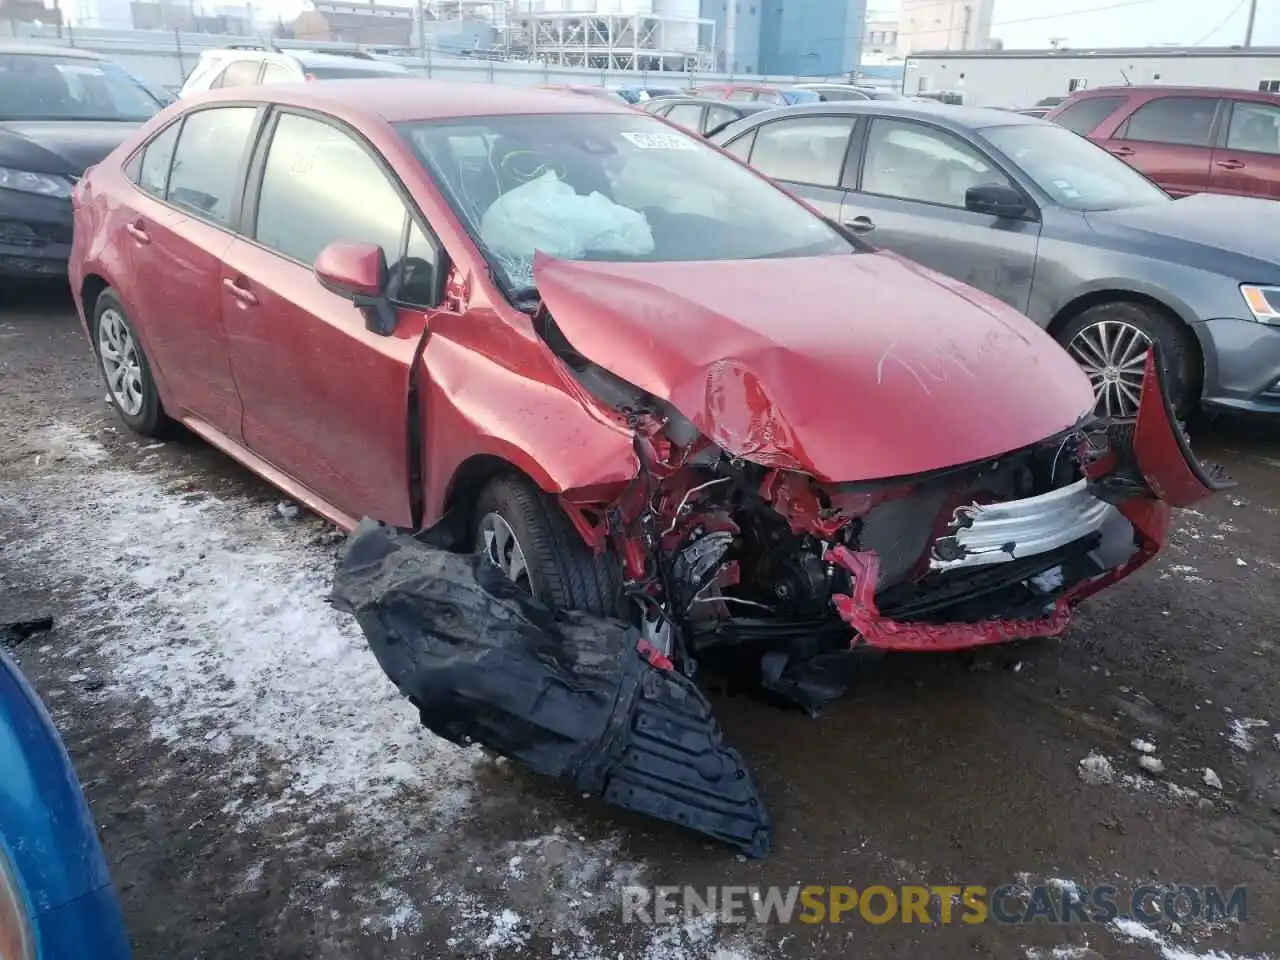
61	111
1058	228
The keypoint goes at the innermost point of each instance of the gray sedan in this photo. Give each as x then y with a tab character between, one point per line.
1044	220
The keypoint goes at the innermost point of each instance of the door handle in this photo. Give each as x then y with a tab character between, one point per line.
1230	164
860	224
138	231
241	293
1121	151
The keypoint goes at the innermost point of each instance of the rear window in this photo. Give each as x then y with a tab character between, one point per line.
1083	117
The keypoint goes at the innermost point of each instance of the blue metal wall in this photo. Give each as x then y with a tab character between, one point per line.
811	37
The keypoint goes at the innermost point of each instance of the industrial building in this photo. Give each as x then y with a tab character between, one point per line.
1018	78
617	34
809	38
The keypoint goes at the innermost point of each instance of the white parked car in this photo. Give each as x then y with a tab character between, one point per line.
256	66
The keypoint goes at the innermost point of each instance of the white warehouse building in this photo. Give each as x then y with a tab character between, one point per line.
1019	78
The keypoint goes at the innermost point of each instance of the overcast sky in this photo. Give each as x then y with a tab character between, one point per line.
1085	23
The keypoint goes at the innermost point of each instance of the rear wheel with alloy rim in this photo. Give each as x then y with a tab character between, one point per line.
1110	343
125	369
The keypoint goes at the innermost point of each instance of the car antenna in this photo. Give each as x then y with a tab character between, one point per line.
1127	81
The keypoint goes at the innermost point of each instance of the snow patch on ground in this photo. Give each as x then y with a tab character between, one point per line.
1239	733
221	621
1131	931
1059	953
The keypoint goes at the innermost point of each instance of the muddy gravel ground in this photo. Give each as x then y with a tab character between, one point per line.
262	792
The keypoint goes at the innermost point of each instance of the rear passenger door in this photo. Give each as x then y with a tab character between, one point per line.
910	199
806	155
1170	139
1248	162
325	400
188	181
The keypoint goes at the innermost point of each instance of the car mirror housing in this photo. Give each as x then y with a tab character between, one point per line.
358	272
995	199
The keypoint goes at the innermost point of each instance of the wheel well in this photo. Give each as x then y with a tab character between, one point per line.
90	290
1099	297
474	475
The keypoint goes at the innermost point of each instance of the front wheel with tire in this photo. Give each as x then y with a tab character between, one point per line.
527	535
1110	343
125	368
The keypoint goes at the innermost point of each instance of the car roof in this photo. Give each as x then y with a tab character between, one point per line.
37	50
315	58
750	106
945	115
1172	88
395	100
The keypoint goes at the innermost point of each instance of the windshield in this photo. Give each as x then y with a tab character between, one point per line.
607	187
38	87
1074	172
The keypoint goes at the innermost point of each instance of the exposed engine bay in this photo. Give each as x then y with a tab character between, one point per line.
742	560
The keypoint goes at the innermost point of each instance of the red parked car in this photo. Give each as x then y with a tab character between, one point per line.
1187	139
689	417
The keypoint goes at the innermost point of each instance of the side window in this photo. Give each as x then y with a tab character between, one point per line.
157	157
741	147
1254	127
1181	120
688	115
1083	117
238	73
803	150
717	117
912	161
740	95
206	161
273	72
413	280
319	186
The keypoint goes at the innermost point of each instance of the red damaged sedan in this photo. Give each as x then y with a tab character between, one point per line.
613	404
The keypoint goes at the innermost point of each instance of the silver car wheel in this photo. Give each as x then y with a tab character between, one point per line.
499	542
118	355
1114	354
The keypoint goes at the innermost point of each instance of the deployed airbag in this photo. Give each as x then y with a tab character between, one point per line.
547	214
566	694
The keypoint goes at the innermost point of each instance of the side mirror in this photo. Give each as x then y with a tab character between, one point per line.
996	200
358	272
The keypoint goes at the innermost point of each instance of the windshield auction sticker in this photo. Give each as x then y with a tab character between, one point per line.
659	141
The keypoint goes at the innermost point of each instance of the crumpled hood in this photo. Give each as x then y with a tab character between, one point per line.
851	367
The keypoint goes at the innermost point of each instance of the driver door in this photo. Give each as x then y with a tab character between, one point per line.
910	198
326	401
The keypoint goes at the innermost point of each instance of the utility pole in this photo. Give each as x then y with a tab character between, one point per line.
1253	16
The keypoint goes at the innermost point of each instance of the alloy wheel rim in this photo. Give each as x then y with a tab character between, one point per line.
500	544
1113	354
120	362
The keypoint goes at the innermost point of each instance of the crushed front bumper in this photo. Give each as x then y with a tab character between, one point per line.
1146	468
